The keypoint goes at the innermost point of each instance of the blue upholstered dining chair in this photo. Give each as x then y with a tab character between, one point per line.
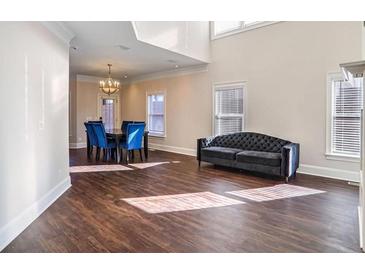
125	124
92	139
133	141
103	142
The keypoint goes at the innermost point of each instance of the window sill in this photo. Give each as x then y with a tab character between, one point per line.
344	158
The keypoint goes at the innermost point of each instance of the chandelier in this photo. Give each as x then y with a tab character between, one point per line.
109	86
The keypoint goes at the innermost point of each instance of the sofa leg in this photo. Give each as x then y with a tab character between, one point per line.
286	179
199	163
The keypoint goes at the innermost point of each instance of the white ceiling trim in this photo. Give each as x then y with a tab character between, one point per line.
135	30
91	79
168	74
60	30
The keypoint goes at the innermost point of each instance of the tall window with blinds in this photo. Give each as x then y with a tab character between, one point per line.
156	114
346	105
228	108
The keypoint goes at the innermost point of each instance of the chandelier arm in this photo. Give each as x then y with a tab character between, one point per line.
109	87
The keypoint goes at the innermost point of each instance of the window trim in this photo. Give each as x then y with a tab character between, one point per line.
214	36
244	98
156	92
329	154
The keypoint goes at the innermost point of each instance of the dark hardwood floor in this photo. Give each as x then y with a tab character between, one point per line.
90	216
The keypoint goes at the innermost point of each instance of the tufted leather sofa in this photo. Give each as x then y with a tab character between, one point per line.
251	151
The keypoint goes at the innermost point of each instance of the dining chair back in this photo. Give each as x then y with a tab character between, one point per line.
100	134
93	141
134	136
125	124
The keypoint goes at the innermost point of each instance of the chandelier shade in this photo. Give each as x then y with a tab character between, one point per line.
109	86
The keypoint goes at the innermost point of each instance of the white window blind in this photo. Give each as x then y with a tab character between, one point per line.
156	114
228	115
347	102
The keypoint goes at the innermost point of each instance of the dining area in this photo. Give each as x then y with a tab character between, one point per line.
117	144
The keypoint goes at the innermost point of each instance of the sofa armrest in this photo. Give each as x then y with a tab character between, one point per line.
290	154
202	143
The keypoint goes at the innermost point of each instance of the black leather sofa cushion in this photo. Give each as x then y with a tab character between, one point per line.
220	152
249	141
259	157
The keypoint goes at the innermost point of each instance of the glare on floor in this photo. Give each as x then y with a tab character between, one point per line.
147	165
281	191
181	202
98	168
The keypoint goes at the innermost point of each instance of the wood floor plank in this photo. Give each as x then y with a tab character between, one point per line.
91	217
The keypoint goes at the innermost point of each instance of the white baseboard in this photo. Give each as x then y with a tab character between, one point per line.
12	229
179	150
340	174
334	173
359	210
77	145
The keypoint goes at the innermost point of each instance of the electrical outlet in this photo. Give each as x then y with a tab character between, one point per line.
41	125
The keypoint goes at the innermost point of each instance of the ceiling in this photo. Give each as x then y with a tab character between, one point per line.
97	44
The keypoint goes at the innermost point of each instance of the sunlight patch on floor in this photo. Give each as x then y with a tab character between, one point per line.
181	202
152	164
274	192
98	168
147	165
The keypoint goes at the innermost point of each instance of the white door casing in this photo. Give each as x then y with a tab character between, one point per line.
115	97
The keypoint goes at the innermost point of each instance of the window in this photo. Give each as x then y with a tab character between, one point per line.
345	101
156	104
224	28
228	108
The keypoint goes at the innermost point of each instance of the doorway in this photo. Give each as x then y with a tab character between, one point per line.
108	110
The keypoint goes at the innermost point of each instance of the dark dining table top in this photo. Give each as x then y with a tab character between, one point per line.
116	131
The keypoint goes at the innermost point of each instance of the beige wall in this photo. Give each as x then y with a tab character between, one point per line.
85	92
285	66
188	107
363	41
72	109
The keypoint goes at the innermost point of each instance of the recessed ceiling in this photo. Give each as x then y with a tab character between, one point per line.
97	44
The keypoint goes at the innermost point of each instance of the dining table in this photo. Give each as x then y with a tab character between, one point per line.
118	134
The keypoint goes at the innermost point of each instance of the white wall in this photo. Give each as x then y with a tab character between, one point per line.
34	167
190	38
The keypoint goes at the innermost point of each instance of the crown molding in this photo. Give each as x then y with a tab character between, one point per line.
135	29
60	30
88	78
146	77
92	79
168	74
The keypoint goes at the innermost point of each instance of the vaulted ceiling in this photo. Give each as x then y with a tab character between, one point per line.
97	44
